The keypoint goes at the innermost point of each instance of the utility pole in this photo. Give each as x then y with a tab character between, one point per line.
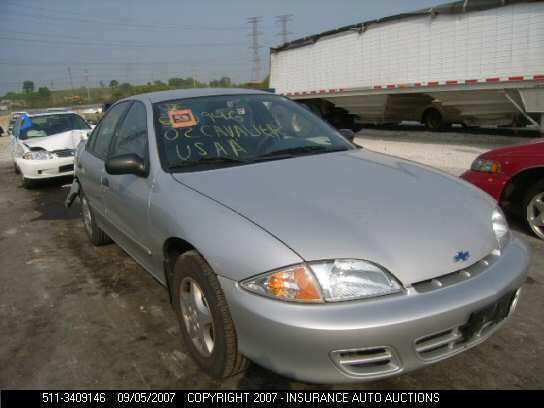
282	22
87	84
255	47
71	82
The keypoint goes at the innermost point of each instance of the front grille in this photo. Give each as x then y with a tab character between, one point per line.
366	361
64	152
457	276
66	168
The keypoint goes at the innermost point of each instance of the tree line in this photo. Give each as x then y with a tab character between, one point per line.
30	97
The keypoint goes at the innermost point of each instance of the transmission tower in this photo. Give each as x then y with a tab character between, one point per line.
255	47
282	22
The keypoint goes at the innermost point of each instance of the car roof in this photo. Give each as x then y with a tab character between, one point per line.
162	96
50	113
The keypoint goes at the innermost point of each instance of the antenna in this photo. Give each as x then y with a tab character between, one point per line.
255	46
282	22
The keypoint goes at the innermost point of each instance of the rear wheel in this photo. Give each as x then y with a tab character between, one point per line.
534	209
205	321
94	232
433	120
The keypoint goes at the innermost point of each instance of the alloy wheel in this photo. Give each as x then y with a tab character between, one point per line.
197	316
535	214
87	216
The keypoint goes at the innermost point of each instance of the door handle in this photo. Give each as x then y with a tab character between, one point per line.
105	182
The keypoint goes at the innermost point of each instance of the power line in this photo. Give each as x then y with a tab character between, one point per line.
39	64
69	16
255	46
128	45
282	22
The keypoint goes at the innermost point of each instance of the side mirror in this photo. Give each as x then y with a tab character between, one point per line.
348	134
126	164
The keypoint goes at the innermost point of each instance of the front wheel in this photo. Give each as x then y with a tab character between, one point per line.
205	321
534	209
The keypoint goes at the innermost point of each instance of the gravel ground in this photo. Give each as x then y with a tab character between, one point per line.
451	151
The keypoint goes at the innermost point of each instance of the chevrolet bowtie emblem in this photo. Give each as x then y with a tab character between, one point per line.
461	256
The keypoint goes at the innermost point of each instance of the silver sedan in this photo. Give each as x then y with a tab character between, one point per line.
282	242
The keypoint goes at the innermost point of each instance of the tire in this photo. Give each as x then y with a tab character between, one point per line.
16	169
220	357
94	232
28	183
533	205
433	120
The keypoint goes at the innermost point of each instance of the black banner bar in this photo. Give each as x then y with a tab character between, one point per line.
189	398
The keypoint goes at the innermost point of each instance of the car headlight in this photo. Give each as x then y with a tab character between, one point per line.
38	155
487	166
500	228
325	281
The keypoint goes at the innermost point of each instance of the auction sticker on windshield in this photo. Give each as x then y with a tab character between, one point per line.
182	118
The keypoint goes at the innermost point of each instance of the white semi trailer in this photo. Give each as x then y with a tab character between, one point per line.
472	62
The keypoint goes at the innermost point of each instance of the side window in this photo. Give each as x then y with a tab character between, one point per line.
101	140
92	137
79	123
131	136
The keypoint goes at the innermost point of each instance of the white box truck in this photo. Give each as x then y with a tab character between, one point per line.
472	62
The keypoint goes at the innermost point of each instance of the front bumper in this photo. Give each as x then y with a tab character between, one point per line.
43	169
491	183
307	342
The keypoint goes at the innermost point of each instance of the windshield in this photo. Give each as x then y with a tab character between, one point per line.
46	125
239	129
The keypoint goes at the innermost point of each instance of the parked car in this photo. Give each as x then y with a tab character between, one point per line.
514	176
282	242
43	144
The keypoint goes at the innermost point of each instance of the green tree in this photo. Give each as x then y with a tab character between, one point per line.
125	88
28	87
44	92
176	82
114	84
225	82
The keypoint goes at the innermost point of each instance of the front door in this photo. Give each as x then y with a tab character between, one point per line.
91	161
126	197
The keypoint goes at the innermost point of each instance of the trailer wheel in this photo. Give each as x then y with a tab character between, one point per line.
432	119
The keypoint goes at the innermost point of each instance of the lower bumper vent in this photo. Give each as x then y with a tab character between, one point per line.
439	344
366	362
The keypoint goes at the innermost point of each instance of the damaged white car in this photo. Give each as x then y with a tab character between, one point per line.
43	144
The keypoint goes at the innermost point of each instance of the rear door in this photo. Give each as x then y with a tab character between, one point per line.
91	163
126	197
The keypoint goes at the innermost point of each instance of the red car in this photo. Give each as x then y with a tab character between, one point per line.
514	176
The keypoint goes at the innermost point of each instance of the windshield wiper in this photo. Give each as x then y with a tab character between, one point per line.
294	151
209	160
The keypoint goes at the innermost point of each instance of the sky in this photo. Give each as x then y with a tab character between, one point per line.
138	41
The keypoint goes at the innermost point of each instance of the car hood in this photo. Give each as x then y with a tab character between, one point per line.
534	148
407	217
64	140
